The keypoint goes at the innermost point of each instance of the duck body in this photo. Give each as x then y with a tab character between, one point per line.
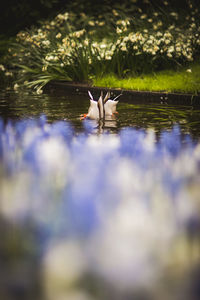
93	111
110	107
101	108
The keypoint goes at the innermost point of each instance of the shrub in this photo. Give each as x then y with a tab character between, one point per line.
125	40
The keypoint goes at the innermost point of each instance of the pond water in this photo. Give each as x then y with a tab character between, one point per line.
69	107
98	216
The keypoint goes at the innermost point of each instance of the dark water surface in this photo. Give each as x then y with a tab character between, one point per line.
98	218
68	107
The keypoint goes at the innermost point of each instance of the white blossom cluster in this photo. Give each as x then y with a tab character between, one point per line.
142	36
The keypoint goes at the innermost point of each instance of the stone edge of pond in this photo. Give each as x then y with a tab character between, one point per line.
131	96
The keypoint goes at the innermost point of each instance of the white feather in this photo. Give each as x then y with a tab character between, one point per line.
93	111
103	107
110	107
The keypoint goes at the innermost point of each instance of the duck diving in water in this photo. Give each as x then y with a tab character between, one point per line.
101	108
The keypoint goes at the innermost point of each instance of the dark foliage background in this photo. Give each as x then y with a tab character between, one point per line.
19	14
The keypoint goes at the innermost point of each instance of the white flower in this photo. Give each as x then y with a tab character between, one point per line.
58	35
123	48
66	15
118	30
143	16
46	43
156	48
9	73
86	42
2	68
39	91
158	34
108	57
169	54
115	13
174	14
79	33
91	23
189	70
171	49
101	23
167	42
16	86
150	41
189	57
49	58
103	46
171	27
44	68
178	49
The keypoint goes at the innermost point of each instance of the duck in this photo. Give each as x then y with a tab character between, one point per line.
110	105
101	108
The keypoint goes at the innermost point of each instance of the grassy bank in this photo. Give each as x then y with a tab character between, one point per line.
118	47
186	80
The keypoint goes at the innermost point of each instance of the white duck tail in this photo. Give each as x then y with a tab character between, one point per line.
117	98
93	111
102	107
90	95
111	106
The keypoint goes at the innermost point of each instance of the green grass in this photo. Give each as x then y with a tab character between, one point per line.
169	81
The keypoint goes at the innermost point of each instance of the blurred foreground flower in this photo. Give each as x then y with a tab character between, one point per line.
104	216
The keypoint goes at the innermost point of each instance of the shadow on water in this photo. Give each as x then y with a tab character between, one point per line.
69	107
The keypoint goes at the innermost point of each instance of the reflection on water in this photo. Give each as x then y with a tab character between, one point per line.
98	216
69	107
161	117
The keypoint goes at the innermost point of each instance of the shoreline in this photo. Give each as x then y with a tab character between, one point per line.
131	96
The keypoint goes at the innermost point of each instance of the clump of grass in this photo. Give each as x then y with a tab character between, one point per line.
185	80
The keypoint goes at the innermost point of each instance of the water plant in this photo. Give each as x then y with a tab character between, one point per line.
125	40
